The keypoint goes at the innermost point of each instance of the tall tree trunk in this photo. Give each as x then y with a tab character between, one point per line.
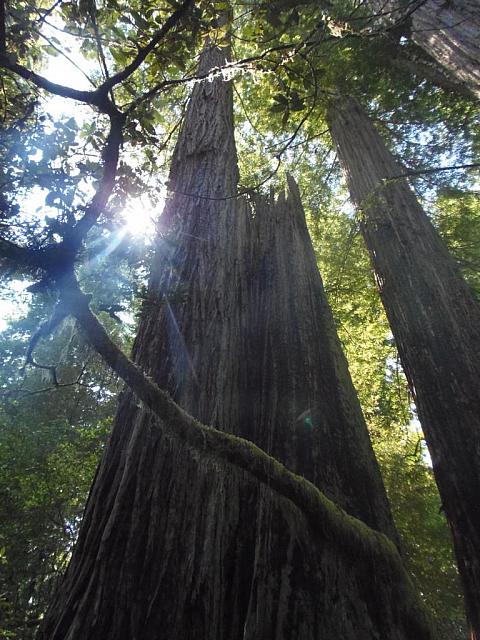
436	324
237	328
447	30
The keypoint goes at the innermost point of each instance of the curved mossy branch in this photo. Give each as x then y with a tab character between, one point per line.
351	536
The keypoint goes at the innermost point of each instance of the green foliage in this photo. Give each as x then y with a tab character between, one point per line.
387	405
47	462
422	526
51	438
457	216
50	441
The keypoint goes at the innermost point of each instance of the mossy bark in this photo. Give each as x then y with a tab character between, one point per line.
175	543
435	321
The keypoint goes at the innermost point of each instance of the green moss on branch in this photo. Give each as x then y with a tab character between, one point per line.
351	536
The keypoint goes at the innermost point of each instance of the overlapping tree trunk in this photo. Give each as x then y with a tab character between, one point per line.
447	30
435	321
175	544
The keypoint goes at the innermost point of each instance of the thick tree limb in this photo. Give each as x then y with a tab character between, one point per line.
90	97
99	97
350	535
111	156
59	258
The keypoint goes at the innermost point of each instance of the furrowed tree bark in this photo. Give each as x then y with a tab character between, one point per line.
436	324
447	30
176	544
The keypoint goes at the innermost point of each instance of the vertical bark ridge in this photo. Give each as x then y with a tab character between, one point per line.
199	237
435	321
304	407
174	544
450	33
447	30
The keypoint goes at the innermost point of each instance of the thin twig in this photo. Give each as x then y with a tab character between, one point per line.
64	55
45	14
419	172
27	393
101	54
43	331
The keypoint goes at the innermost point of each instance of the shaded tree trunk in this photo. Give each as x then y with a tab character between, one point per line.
237	328
447	30
436	324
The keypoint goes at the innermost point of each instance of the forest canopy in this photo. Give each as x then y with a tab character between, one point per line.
93	98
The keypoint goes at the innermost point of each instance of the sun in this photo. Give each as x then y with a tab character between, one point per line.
141	215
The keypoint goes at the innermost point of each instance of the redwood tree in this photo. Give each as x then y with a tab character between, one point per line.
449	32
435	321
177	544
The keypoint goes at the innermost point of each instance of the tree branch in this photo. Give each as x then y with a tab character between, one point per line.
27	393
89	97
3	46
143	52
111	156
98	97
62	53
101	53
58	259
351	536
46	12
43	331
420	172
